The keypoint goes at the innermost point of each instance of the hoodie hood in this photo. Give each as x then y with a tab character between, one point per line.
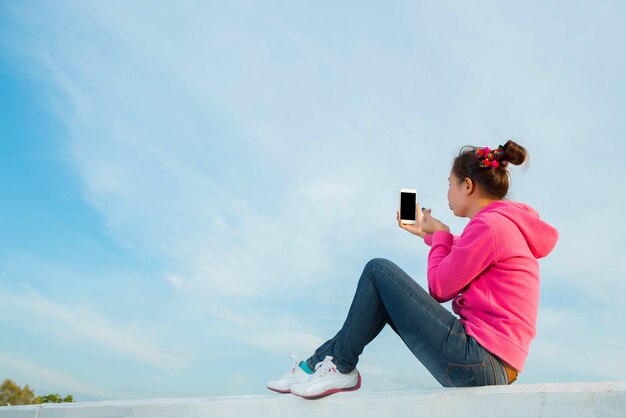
540	236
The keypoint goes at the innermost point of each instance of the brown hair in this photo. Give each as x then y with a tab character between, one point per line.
494	181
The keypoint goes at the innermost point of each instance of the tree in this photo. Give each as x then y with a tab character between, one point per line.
53	398
12	394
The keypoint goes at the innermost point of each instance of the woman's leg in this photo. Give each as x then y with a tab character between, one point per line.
385	294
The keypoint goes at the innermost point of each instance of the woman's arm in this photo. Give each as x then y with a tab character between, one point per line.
452	266
428	239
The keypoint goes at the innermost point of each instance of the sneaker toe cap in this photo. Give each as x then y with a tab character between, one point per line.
299	388
277	385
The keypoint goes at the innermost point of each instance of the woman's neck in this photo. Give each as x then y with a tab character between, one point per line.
478	204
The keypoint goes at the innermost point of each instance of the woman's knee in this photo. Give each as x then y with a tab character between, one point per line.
381	264
382	269
377	262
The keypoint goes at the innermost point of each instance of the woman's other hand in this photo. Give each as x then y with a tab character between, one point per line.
415	228
430	225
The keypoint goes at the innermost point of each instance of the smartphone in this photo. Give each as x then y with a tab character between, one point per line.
408	199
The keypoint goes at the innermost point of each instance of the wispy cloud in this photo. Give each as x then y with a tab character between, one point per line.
239	208
40	377
79	325
585	342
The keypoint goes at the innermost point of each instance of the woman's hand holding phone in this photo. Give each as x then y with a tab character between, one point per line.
415	228
424	223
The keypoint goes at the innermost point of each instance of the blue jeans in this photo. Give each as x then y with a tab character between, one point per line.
385	295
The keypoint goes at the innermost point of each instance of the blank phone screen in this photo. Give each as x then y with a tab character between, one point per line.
407	206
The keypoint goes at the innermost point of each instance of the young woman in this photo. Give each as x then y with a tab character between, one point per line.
490	271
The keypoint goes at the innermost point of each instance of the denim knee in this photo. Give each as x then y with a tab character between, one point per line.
377	262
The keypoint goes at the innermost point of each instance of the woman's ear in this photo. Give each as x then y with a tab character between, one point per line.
469	186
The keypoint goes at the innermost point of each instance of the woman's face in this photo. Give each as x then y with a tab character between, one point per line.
458	199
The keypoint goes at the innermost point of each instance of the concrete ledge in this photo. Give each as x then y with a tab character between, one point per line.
605	399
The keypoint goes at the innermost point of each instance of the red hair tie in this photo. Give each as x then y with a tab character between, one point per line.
489	158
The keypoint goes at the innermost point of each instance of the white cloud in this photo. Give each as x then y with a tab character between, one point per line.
234	217
39	377
574	343
80	325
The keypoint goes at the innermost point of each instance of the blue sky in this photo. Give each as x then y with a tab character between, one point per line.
190	192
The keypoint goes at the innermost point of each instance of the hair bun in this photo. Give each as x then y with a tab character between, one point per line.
514	153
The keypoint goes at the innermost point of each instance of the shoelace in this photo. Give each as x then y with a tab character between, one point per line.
325	366
296	364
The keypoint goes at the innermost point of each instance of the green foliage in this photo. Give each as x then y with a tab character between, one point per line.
12	394
53	398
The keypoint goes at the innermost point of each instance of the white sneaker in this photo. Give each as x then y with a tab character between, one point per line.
326	380
295	375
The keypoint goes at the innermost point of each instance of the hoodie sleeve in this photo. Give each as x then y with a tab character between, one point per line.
453	265
428	239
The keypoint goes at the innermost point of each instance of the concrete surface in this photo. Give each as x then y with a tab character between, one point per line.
604	399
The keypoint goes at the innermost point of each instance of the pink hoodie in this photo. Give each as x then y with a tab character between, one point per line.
491	271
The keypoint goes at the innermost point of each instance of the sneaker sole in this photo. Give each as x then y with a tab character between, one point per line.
278	390
331	391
